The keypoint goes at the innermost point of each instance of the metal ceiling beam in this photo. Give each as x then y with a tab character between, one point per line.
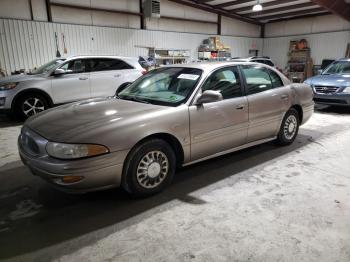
211	9
299	17
204	1
48	10
292	14
282	9
338	7
237	2
268	4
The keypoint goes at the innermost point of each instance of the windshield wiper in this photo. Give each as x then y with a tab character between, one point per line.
134	98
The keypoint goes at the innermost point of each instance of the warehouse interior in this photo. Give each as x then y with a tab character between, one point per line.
263	203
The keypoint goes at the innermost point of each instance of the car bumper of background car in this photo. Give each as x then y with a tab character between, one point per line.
338	99
96	173
6	98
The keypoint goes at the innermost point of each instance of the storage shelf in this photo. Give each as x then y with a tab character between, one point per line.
171	57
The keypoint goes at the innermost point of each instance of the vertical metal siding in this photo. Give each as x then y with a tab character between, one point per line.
323	46
29	44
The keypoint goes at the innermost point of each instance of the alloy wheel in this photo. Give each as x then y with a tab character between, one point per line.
32	106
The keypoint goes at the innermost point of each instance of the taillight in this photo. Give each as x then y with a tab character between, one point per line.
144	71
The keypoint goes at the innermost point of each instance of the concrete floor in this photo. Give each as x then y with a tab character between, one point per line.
266	203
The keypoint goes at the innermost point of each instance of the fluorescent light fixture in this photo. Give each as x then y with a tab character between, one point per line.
258	7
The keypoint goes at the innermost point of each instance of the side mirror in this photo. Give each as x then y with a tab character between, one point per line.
209	96
59	72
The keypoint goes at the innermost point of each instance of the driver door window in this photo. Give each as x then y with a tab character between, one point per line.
226	81
74	66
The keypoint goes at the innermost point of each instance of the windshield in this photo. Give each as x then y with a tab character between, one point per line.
48	66
169	86
339	67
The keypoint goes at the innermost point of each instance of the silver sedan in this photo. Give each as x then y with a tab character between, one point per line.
171	117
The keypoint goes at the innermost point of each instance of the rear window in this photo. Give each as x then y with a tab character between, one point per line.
268	62
264	61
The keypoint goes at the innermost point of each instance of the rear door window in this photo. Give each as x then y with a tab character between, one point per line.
107	64
74	66
257	79
276	80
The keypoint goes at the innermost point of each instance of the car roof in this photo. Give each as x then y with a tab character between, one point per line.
209	66
252	58
103	56
344	59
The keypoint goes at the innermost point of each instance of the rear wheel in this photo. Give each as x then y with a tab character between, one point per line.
150	167
289	128
28	105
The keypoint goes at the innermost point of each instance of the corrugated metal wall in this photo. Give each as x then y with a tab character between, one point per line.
28	44
323	46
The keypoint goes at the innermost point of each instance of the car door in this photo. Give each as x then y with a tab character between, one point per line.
107	74
268	100
219	126
73	85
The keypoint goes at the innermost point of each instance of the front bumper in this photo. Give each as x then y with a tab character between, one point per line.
337	99
6	98
98	172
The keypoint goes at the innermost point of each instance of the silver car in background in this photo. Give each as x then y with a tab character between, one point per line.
65	80
332	86
171	117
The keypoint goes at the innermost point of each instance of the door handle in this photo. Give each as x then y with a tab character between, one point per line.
239	107
285	97
83	78
117	75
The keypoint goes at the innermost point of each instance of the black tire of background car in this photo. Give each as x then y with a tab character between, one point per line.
130	183
281	138
18	106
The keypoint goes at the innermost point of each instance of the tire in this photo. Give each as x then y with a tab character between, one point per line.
289	128
30	104
149	168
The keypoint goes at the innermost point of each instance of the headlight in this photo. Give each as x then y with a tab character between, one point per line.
74	151
347	90
8	86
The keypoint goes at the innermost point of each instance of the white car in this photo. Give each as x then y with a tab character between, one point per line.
65	80
256	59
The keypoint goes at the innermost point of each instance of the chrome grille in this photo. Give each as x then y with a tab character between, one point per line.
326	89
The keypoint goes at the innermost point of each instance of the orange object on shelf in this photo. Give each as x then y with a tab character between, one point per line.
302	44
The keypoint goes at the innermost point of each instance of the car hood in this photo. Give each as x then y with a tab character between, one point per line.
330	80
76	121
20	78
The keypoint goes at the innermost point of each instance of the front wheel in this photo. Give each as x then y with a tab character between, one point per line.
30	104
150	167
289	128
